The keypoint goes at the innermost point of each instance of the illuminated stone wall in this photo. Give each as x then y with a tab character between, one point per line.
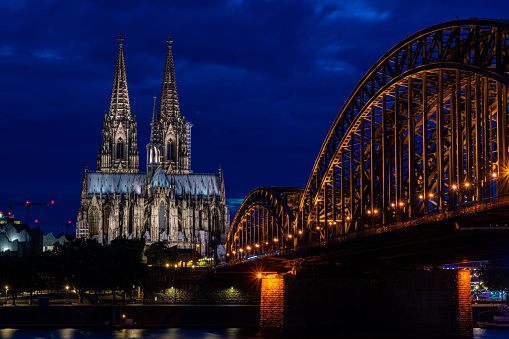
272	305
200	286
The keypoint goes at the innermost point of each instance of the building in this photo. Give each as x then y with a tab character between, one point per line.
167	203
16	238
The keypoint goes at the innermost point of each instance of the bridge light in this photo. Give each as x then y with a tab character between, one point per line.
167	265
289	236
176	266
347	218
401	204
234	252
467	184
454	187
369	211
241	250
421	197
431	195
257	245
249	248
275	239
227	254
259	275
300	232
494	175
375	211
393	205
266	243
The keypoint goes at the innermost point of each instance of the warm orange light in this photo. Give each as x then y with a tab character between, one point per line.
234	252
289	236
275	239
257	245
454	187
421	197
227	254
300	232
259	275
266	243
467	184
248	248
241	250
494	175
401	204
392	205
369	212
375	211
431	195
347	218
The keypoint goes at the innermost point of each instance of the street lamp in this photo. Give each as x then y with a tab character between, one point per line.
6	289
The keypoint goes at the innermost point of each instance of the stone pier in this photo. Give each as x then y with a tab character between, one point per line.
428	303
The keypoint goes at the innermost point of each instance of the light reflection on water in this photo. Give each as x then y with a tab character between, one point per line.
171	333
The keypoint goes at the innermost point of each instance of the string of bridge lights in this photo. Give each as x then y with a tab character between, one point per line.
375	211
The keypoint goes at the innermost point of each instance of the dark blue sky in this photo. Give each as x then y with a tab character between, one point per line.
261	81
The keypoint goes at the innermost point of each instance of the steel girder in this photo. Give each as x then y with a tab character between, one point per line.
424	131
263	224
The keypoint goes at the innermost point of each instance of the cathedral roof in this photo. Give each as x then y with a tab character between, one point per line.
120	183
204	184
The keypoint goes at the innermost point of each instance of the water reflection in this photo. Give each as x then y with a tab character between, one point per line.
170	333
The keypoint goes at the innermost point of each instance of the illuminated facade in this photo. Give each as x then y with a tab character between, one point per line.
168	202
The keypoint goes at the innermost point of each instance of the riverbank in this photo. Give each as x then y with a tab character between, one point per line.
135	316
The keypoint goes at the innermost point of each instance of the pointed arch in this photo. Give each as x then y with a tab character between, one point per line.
93	220
106	218
120	148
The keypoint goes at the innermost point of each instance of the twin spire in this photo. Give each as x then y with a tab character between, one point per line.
168	103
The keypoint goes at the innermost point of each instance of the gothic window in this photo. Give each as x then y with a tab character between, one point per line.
106	219
121	219
93	221
162	221
168	147
120	149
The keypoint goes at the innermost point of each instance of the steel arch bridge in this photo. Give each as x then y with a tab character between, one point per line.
424	133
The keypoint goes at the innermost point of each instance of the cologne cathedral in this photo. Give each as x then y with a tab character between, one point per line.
167	203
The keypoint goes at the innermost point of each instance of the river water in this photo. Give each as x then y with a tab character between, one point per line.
173	333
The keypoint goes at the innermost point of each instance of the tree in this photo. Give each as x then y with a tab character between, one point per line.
159	254
79	261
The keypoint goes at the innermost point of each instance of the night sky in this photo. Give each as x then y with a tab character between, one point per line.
262	82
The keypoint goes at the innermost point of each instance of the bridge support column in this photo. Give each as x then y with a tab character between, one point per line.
432	303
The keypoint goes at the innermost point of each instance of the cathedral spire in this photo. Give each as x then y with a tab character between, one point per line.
154	131
119	106
169	104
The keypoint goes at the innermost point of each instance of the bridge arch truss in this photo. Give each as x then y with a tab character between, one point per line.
425	131
264	223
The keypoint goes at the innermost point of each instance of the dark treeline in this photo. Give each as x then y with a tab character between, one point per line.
83	265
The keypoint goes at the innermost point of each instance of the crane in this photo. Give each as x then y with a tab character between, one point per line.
66	224
27	204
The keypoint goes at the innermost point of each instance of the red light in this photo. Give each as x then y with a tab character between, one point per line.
52	202
69	222
36	221
9	213
28	202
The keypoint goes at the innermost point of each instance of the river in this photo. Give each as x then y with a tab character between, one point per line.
173	333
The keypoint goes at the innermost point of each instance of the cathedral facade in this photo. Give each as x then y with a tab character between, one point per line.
167	203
